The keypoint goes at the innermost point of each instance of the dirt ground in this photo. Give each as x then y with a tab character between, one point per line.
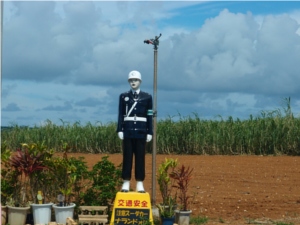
234	189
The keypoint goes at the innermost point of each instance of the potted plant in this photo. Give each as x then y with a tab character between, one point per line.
41	183
166	186
66	179
167	211
182	177
164	181
25	166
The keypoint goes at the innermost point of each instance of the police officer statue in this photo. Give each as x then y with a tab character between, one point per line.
135	129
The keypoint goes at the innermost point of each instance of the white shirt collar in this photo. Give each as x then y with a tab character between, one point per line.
137	91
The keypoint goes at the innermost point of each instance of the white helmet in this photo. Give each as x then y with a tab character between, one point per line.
135	75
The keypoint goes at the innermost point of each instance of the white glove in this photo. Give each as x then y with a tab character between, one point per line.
121	135
149	137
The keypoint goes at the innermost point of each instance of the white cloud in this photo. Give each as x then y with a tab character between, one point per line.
68	56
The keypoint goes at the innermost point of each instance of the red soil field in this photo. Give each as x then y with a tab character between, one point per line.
233	189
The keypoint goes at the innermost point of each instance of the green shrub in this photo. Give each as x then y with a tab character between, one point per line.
106	181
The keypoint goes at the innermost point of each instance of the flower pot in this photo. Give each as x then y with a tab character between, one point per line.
63	212
3	214
17	215
182	217
41	213
155	212
167	220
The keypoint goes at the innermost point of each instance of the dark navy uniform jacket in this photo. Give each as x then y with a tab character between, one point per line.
135	121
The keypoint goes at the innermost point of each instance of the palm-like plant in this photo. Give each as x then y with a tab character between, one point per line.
164	180
182	177
28	162
25	162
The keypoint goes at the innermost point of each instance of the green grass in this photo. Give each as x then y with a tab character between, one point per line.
282	223
271	133
198	220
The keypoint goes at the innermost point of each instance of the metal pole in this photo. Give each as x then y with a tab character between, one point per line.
154	42
153	200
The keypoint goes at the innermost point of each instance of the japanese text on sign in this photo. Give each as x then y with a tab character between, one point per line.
131	216
132	203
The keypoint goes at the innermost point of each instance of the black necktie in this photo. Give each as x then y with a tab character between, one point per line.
135	95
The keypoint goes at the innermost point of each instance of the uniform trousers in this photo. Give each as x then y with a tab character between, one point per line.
136	147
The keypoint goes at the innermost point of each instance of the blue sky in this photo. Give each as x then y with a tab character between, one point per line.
69	61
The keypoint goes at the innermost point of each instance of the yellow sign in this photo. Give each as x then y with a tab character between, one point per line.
131	208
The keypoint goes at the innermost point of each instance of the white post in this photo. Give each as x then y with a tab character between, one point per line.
1	38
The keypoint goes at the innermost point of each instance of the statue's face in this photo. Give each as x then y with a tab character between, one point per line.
134	83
